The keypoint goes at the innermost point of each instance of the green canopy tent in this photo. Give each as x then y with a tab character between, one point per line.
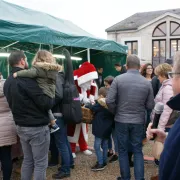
22	27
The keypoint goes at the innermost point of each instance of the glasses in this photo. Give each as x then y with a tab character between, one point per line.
172	74
149	68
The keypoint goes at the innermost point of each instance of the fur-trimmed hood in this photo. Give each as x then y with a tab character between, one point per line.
1	87
48	66
102	102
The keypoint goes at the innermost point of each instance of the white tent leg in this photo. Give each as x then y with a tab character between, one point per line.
88	55
10	45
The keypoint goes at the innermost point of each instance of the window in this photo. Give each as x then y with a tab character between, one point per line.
160	30
174	29
132	47
175	46
159	52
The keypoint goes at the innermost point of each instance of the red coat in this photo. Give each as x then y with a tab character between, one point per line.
73	131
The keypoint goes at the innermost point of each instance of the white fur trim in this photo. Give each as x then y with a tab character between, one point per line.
81	97
96	93
75	77
93	84
84	130
75	138
91	97
87	77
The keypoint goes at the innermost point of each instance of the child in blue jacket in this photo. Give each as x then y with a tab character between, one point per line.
101	129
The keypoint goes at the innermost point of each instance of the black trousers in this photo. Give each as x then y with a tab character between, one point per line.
6	162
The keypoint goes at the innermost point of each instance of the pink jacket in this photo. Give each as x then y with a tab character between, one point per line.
163	96
8	135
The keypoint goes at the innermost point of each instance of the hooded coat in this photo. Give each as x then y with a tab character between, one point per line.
8	135
45	74
163	96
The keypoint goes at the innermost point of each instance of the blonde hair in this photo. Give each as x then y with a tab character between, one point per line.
163	69
44	56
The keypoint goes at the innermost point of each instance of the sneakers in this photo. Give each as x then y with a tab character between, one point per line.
105	164
110	154
52	164
72	167
114	158
98	167
119	178
87	152
60	175
73	155
54	128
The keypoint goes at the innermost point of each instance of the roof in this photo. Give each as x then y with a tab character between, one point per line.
25	25
139	19
22	15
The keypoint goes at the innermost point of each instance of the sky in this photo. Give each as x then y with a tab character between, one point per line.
95	16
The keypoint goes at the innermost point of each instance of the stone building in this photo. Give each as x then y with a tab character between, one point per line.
153	36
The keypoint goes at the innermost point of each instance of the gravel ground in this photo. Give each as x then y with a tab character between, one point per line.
83	165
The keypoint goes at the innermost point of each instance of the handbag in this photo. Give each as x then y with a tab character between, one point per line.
157	149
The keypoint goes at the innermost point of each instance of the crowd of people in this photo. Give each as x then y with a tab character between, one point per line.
122	106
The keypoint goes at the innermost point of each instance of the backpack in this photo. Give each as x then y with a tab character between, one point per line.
71	105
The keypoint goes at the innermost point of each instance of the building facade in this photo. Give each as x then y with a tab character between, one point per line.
153	36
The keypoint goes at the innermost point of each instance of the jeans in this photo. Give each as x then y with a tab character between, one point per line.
114	137
63	146
148	120
35	144
98	144
110	143
54	151
6	162
133	134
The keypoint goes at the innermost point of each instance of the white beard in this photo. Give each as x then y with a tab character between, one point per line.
86	86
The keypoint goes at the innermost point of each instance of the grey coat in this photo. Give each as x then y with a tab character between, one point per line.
129	96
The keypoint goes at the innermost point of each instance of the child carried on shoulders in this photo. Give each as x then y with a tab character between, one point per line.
44	70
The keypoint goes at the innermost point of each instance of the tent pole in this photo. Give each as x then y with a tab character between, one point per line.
80	52
8	68
39	47
88	55
10	45
51	48
57	47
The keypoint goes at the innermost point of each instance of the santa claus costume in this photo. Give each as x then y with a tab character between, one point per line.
88	92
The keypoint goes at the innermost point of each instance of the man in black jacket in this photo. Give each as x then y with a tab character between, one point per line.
100	80
60	136
29	106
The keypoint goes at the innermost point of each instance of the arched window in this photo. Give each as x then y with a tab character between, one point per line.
175	29
160	30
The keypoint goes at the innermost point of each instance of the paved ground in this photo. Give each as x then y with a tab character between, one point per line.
83	164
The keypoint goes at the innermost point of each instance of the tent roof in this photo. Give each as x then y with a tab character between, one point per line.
25	25
17	14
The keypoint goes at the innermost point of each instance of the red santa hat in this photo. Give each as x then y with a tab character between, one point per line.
85	73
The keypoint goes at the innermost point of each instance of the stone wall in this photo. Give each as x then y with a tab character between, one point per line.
144	38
